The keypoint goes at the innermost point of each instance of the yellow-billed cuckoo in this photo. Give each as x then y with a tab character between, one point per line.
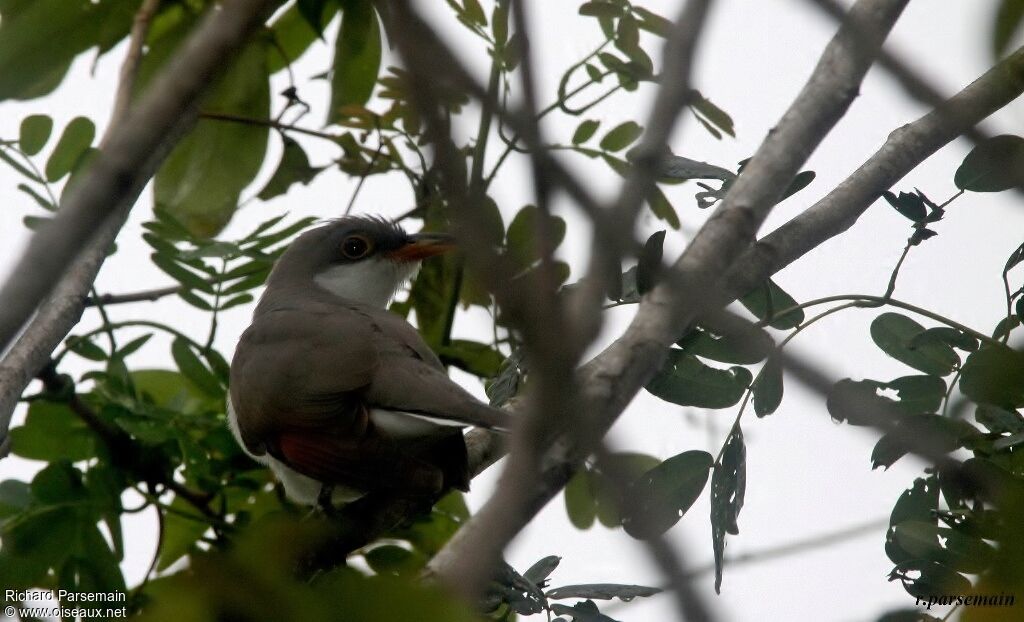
337	395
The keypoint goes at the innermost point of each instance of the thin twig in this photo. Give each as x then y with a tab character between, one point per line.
132	58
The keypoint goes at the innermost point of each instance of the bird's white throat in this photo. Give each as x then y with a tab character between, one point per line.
372	281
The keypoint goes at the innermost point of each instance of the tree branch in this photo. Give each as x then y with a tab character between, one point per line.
63	257
610	381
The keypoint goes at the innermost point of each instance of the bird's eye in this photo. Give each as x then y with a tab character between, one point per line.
355	247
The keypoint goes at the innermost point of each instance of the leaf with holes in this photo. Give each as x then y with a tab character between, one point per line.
728	487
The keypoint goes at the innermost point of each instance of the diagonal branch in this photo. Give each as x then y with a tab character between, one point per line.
64	256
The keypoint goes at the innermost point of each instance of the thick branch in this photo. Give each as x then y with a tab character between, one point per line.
610	381
97	205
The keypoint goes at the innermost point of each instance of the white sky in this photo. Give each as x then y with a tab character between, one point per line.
805	475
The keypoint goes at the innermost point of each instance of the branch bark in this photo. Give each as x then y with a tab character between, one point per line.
63	257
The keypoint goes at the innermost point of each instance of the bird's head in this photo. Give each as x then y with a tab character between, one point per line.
359	258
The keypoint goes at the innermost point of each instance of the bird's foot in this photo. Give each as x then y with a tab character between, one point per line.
324	500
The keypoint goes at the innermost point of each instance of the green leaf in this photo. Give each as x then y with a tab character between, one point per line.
181	274
294	168
995	165
19	167
85	348
767	387
1007	24
923	433
743	345
602	591
627	35
994	375
801	181
475	12
39	39
708	112
476	358
999	420
521	238
200	182
918	394
357	55
652	22
193	368
665	493
686	381
949	547
182	529
580	503
15	496
395	560
73	143
504	386
294	34
38	198
600	8
313	12
535	574
649	265
621	136
728	487
34	132
910	205
858	403
662	208
768	299
906	341
919	502
53	432
585	131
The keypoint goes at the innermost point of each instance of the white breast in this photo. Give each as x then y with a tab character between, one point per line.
371	281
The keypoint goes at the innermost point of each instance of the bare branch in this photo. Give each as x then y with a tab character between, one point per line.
148	295
95	208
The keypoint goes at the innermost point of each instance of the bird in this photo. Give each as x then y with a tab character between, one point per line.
337	395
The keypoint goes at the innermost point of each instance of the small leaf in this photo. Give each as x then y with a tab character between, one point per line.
193	368
602	591
600	8
728	487
34	132
684	380
910	205
357	56
294	168
181	274
86	349
708	112
771	300
652	22
38	198
994	165
542	569
52	432
744	345
585	131
767	387
621	136
73	142
801	181
580	504
650	263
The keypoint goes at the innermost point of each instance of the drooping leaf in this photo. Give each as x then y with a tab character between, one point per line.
686	381
906	341
664	493
200	182
995	165
649	265
711	116
767	387
34	132
728	487
72	144
357	55
294	168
